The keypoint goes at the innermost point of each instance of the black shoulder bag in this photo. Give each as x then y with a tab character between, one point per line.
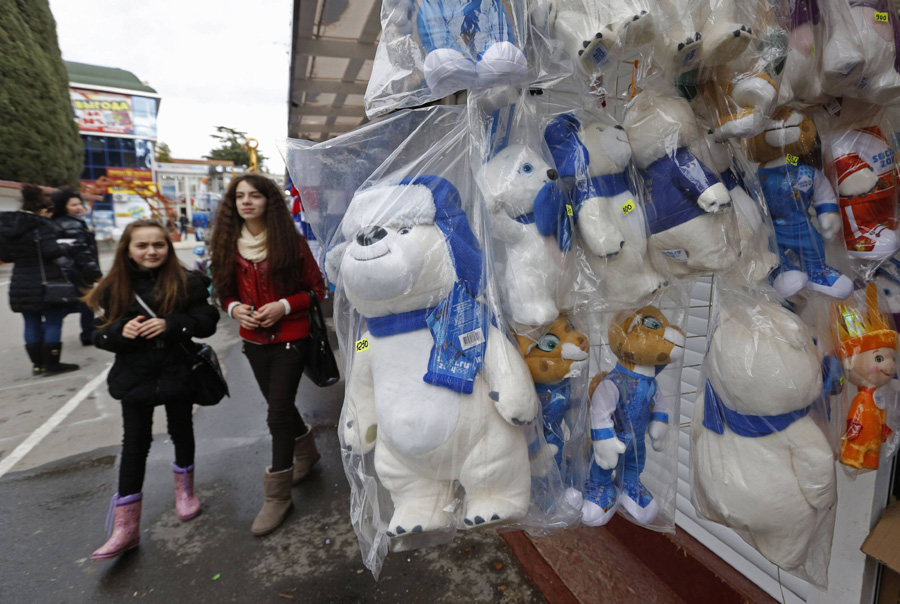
321	367
206	372
62	292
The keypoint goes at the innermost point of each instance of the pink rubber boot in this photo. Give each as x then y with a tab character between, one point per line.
186	503
125	516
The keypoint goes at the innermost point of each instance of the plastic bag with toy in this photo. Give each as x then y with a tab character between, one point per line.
761	461
438	399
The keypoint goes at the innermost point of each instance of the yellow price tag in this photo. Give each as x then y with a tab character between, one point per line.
881	17
569	210
362	345
812	51
628	207
792	159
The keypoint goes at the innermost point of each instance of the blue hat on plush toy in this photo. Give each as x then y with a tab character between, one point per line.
451	219
569	154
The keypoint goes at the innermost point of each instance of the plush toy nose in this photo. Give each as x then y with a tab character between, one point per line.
370	235
552	174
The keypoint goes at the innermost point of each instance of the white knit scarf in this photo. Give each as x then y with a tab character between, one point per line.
252	247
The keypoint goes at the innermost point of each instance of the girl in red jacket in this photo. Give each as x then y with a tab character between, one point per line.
263	273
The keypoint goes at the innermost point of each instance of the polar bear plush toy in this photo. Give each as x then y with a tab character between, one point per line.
761	465
610	223
531	234
692	225
875	45
437	391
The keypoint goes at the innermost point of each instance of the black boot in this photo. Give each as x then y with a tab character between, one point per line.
52	366
34	353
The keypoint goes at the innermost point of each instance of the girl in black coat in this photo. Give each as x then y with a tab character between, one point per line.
152	365
83	268
29	240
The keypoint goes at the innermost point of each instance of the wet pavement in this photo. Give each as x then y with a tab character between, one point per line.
53	518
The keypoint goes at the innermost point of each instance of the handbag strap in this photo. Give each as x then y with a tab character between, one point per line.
315	307
37	244
140	301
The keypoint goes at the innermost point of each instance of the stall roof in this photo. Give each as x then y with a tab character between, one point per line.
107	77
333	48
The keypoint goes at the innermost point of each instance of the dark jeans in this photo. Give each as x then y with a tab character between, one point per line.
44	326
138	422
87	319
278	368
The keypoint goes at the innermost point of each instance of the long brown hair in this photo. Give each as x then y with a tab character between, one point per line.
283	256
115	292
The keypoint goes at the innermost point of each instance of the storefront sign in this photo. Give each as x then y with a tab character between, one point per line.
104	112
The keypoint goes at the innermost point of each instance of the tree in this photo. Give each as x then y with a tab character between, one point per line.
39	141
231	147
163	153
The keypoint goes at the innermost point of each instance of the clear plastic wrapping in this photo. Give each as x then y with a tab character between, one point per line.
864	340
636	358
439	403
761	462
791	173
802	79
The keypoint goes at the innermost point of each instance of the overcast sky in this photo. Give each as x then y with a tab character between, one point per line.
214	62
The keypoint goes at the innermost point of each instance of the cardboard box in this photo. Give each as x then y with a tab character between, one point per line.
883	543
889	587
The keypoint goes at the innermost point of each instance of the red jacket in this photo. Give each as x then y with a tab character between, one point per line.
257	289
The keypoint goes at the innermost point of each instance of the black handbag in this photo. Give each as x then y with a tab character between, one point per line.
57	292
321	366
206	372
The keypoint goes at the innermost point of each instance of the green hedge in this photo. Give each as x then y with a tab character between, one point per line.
39	141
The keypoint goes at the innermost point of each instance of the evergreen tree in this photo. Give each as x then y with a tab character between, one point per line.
39	141
231	147
163	153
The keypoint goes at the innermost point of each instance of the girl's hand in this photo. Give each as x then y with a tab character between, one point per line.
152	328
270	314
132	328
244	316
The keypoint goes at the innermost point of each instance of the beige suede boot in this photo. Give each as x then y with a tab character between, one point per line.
277	503
305	455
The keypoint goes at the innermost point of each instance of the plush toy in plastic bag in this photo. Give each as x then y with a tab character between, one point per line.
593	157
866	174
791	175
558	360
692	225
627	407
761	464
866	343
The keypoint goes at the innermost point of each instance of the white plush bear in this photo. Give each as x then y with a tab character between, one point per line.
610	223
761	465
692	225
714	28
433	416
524	206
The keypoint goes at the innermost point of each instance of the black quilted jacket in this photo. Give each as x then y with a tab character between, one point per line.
158	370
23	236
84	266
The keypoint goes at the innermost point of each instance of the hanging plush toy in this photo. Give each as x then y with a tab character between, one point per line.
555	359
469	44
624	411
529	226
760	463
437	390
693	229
609	218
867	181
866	344
792	180
874	40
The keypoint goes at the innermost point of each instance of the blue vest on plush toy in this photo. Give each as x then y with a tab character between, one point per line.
673	183
635	407
459	324
788	191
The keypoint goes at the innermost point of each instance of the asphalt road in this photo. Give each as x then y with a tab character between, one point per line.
59	442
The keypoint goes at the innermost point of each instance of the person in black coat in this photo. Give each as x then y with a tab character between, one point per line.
30	241
149	308
83	266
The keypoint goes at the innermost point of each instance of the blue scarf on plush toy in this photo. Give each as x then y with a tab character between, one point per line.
459	323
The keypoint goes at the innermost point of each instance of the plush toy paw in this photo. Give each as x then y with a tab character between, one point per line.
502	63
607	452
447	70
657	432
516	408
487	511
412	519
595	52
714	199
725	42
858	183
637	30
638	502
829	225
357	440
600	503
688	52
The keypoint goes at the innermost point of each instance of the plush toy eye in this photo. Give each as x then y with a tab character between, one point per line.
404	230
527	168
651	323
879	358
548	343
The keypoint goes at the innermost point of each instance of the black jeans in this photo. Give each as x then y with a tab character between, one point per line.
138	423
278	368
